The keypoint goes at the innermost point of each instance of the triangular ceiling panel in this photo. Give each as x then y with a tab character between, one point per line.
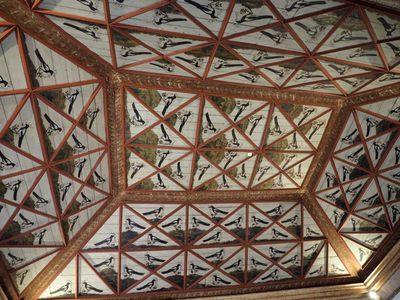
276	37
166	18
90	9
209	14
25	275
63	284
48	68
93	35
295	9
248	15
11	64
350	33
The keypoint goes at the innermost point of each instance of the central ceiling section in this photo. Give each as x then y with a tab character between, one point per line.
179	141
322	46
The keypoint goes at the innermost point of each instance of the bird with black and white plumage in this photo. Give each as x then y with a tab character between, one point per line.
39	236
242	173
162	156
92	114
136	119
53	127
300	4
202	169
5	162
177	174
274	252
330	179
165	43
90	30
234	141
156	213
315	126
388	26
262	171
346	35
395	49
109	241
255	221
43	70
91	4
3	83
98	179
355	156
135	167
14	186
85	199
87	288
369	201
395	212
346	171
310	232
254	263
246	15
276	130
80	165
130	273
64	188
65	289
238	222
167	99
262	56
318	271
341	70
26	223
39	201
20	130
131	224
278	37
277	210
312	31
294	260
237	265
108	263
176	224
183	117
240	106
209	126
15	260
224	184
21	277
391	190
376	214
220	63
229	156
276	234
219	255
373	241
151	285
71	97
159	185
164	139
216	237
215	211
176	270
78	146
196	223
153	239
312	248
194	269
149	259
126	51
72	222
217	280
292	220
272	275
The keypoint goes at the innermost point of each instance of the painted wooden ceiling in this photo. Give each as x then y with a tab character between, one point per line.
55	161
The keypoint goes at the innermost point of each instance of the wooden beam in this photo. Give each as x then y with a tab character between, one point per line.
330	232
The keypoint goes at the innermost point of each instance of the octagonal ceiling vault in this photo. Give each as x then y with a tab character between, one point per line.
55	130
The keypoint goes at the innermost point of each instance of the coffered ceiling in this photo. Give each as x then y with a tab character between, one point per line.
196	146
